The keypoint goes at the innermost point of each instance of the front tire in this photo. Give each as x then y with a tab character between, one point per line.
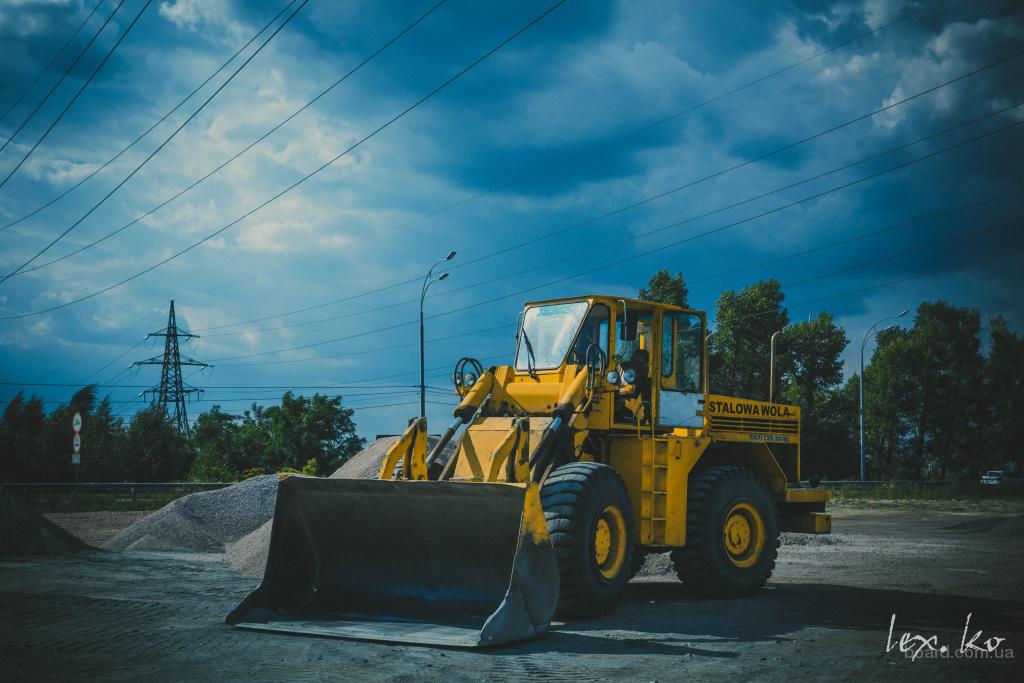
732	534
590	521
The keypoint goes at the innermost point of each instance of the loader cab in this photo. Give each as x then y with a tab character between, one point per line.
655	357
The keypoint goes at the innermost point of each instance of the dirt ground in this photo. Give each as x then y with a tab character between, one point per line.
95	527
825	614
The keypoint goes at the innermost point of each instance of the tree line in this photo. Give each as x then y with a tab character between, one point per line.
935	406
313	435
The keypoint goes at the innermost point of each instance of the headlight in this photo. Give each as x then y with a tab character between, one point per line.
629	376
469	379
612	377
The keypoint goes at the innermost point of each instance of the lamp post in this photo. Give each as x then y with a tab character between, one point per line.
427	281
868	335
771	368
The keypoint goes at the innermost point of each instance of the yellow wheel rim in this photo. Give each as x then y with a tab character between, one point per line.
743	535
610	542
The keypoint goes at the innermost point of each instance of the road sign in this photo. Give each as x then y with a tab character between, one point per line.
76	459
77	441
76	422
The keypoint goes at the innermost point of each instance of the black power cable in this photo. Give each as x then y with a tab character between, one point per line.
580	254
306	177
551	233
590	150
162	144
657	250
78	93
53	60
149	130
64	75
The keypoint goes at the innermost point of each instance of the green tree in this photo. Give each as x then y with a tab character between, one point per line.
103	444
155	449
303	428
892	408
22	439
1004	395
950	380
813	381
309	435
666	289
924	416
740	343
215	438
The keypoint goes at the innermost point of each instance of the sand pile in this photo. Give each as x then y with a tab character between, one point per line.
248	555
23	531
203	522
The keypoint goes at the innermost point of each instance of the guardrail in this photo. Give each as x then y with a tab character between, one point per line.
30	488
856	484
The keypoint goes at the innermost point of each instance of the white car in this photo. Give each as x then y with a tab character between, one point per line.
992	478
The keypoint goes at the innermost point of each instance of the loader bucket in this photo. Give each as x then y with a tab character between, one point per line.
427	562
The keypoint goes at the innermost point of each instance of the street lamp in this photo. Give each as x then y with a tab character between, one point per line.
771	367
868	335
427	281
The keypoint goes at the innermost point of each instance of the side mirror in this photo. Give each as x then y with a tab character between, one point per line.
627	331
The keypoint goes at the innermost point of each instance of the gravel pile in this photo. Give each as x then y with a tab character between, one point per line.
248	555
23	531
810	539
366	463
203	522
657	564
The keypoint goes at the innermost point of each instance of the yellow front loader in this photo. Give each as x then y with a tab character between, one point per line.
598	445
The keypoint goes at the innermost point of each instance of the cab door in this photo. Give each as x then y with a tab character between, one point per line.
681	399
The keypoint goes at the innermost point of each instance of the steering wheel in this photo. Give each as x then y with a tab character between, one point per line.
467	371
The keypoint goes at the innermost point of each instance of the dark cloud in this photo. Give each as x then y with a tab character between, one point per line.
586	75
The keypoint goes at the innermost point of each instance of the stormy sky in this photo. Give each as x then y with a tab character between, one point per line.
730	141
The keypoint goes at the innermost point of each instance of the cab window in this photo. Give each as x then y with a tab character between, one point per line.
594	332
681	351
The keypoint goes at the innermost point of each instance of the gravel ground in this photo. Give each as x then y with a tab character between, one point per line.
825	614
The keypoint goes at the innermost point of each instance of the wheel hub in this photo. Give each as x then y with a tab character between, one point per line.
610	542
743	535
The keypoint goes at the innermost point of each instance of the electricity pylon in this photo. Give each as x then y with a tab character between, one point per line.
172	388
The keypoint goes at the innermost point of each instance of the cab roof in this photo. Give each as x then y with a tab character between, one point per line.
612	299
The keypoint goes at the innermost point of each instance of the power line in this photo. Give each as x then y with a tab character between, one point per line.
81	89
876	261
52	61
376	348
64	75
551	233
245	149
306	177
880	231
215	387
860	290
623	259
605	247
857	238
154	126
907	252
590	150
162	144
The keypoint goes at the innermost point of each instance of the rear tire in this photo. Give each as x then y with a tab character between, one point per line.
732	534
591	525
